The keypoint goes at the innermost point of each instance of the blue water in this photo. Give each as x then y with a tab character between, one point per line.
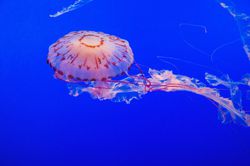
40	124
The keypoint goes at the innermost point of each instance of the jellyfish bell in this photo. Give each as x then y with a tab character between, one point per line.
89	56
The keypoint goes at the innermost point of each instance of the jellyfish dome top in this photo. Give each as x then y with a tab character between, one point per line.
89	61
87	55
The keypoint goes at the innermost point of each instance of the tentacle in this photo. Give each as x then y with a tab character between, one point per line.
77	4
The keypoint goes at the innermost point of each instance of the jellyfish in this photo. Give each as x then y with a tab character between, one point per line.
87	55
77	4
93	62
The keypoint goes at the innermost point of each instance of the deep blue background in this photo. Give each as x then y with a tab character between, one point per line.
40	124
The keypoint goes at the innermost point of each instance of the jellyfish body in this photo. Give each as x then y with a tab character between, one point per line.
87	55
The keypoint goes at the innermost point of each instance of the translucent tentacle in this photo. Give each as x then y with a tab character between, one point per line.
246	79
173	82
133	87
243	22
233	87
77	4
